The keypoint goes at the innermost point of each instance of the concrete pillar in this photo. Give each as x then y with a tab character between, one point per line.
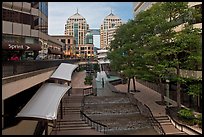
2	114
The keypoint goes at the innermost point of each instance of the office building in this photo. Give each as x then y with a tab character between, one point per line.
108	28
25	27
77	27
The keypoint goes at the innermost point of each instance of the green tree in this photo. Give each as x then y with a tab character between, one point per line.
171	49
125	55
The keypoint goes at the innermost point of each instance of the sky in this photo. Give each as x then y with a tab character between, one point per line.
93	12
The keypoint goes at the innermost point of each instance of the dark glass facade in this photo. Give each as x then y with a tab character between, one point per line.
41	22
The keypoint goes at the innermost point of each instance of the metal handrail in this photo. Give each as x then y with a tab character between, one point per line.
169	113
154	122
89	120
92	122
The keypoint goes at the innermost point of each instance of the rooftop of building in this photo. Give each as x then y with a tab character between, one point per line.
76	16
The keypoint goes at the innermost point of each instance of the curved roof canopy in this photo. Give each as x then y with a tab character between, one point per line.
64	71
44	104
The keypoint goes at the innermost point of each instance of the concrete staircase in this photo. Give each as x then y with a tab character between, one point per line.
71	123
168	127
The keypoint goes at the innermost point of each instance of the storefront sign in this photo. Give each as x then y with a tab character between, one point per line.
16	46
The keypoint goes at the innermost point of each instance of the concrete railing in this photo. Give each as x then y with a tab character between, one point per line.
10	68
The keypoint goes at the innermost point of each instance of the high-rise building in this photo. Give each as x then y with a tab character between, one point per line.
108	28
77	27
141	6
25	28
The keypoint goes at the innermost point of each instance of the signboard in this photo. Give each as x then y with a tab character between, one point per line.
17	46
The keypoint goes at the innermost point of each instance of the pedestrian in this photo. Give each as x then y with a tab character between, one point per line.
14	57
102	83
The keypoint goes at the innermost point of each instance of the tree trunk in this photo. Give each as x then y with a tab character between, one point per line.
178	88
134	86
129	84
161	91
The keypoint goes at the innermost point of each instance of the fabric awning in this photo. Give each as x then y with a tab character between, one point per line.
64	71
20	46
44	104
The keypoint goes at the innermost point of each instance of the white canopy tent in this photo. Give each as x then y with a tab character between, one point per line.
64	71
44	104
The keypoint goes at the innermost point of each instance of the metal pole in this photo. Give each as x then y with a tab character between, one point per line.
46	127
2	114
167	92
61	109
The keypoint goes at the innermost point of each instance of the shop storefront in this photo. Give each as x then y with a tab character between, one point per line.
54	53
22	50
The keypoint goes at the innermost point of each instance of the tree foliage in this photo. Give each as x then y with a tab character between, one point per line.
150	48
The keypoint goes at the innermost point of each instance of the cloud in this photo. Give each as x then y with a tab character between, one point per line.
93	12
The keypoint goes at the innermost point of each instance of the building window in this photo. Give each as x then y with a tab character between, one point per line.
63	40
68	41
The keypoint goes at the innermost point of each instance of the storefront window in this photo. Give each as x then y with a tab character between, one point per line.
29	40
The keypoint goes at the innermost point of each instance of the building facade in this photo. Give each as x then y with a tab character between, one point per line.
69	44
77	27
25	28
141	6
108	28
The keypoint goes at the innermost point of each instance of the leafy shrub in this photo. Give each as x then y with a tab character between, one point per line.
198	120
187	116
186	113
88	80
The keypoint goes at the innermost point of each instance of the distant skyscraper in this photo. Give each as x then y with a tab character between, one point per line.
108	28
77	27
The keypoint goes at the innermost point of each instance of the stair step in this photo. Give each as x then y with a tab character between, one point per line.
161	117
72	122
176	133
72	108
163	121
79	120
74	111
75	128
72	125
167	123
